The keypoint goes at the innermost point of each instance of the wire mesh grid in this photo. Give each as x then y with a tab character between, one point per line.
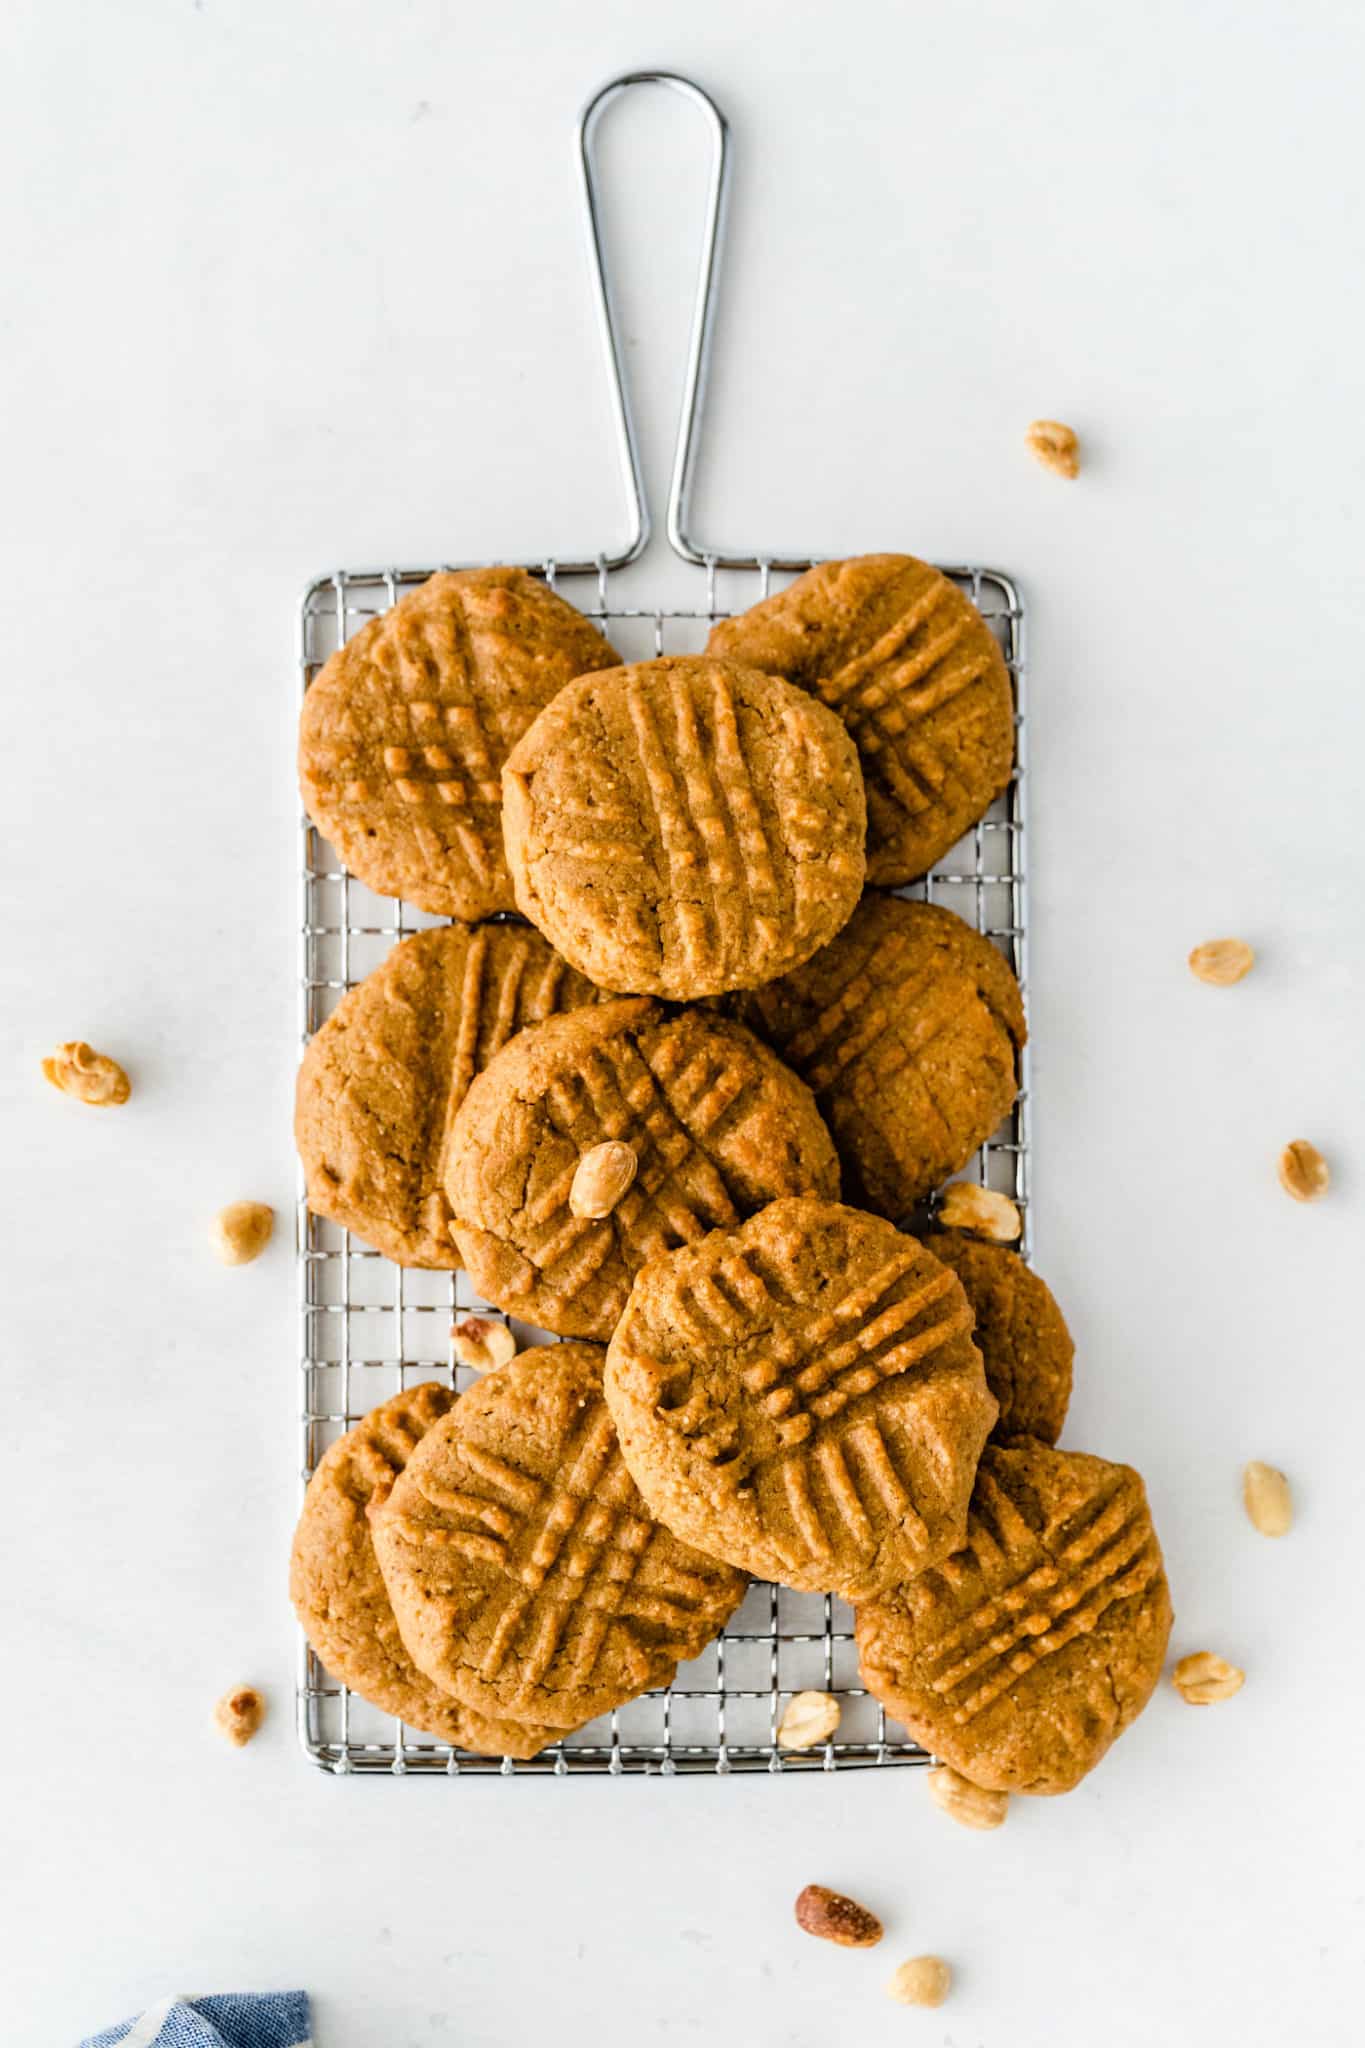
370	1328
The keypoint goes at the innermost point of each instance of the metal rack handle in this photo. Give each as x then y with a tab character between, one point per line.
698	347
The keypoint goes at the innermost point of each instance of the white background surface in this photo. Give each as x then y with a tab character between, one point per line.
302	285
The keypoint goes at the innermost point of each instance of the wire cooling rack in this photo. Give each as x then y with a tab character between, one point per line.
369	1328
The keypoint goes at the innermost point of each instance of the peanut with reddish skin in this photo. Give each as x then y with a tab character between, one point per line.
830	1916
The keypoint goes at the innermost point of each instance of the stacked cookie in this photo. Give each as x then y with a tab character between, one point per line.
632	1118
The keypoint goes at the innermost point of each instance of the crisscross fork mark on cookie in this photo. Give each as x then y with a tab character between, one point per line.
678	1193
434	750
380	1450
490	1016
804	1378
1108	1555
881	708
569	1546
707	817
870	1443
466	1060
812	1374
867	1019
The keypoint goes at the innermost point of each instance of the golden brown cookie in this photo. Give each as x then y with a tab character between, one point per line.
907	1027
684	826
404	733
1020	1332
917	676
1020	1659
802	1397
526	1573
338	1592
717	1124
381	1081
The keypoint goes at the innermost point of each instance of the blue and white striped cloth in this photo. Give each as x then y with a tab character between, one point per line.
266	2019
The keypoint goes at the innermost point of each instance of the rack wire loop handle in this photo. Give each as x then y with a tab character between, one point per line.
689	417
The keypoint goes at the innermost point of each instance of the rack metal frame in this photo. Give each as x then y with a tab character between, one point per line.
369	1327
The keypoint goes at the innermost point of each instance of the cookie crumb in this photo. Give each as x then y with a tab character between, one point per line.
1304	1173
1221	962
831	1916
924	1980
1203	1677
90	1076
1056	446
239	1714
241	1232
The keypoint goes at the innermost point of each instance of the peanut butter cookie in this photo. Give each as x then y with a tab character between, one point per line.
528	1577
1020	1332
1019	1660
339	1596
684	826
907	1027
717	1124
404	733
802	1396
917	676
381	1081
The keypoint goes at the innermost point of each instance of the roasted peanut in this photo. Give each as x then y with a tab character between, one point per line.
239	1714
90	1076
1203	1677
601	1178
242	1231
1267	1499
1221	962
810	1718
924	1980
483	1343
1056	446
964	1206
1304	1173
832	1917
970	1805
